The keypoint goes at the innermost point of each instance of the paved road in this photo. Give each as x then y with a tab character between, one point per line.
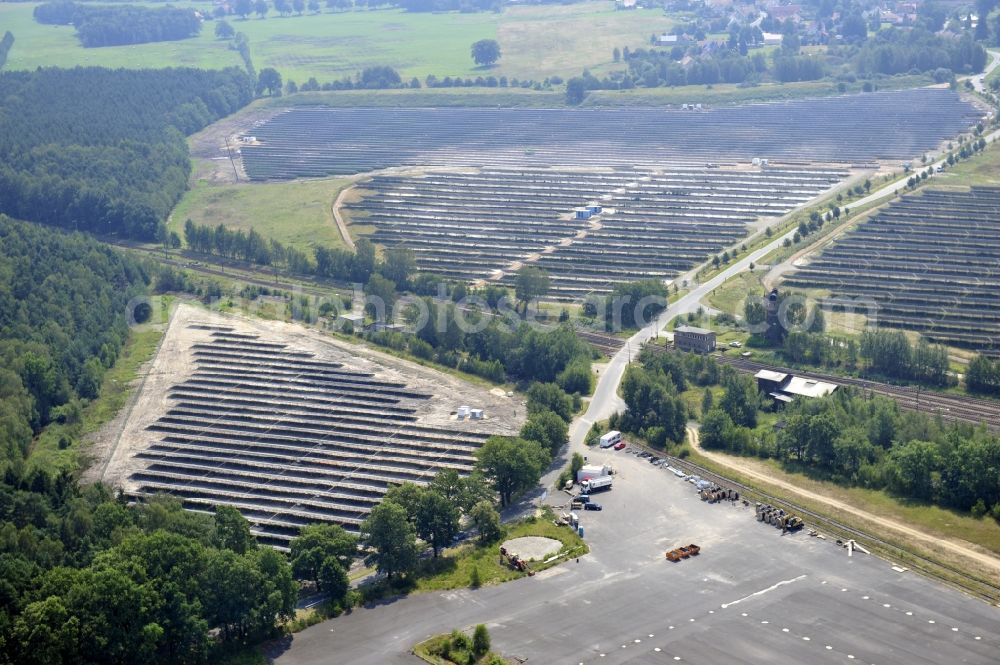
752	596
979	80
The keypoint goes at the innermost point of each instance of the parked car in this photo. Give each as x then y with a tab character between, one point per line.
620	445
582	498
593	506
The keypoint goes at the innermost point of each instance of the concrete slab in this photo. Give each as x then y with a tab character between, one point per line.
533	548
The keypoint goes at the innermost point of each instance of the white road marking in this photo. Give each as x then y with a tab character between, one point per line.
657	649
909	614
763	591
886	605
829	648
930	621
805	638
955	629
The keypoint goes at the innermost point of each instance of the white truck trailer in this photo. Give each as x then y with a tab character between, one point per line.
598	484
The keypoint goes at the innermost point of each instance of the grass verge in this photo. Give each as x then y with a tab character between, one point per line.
454	570
447	650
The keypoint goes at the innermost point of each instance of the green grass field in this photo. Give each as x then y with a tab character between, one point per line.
296	213
982	169
537	41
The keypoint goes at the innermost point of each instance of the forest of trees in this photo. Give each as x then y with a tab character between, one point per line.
115	25
983	375
866	442
895	51
651	389
103	150
62	324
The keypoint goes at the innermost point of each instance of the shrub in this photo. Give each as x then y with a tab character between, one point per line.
480	640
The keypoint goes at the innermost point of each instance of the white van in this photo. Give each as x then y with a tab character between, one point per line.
610	439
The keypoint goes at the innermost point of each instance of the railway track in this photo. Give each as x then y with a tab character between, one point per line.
606	344
985	589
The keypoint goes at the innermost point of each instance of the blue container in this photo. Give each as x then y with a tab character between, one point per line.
579	530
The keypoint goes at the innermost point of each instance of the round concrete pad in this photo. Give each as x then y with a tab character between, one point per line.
534	548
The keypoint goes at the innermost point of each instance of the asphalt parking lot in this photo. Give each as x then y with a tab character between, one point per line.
753	595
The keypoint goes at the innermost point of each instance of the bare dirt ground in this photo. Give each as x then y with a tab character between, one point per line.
210	143
174	363
757	471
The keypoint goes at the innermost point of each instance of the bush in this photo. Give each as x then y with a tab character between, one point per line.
978	509
480	640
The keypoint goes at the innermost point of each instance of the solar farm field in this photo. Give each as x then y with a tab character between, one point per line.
289	427
652	224
930	261
315	142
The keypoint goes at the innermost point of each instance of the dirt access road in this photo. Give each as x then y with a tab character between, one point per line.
758	472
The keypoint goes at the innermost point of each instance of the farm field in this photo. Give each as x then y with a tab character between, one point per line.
316	142
296	213
290	427
537	41
929	263
652	224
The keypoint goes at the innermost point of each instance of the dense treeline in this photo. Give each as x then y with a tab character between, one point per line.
63	322
651	389
245	246
115	25
103	150
881	353
5	45
899	51
868	442
88	579
983	376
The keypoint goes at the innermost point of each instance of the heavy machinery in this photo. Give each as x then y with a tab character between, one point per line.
515	562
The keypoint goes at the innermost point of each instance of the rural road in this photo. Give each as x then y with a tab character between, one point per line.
341	225
753	469
979	80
